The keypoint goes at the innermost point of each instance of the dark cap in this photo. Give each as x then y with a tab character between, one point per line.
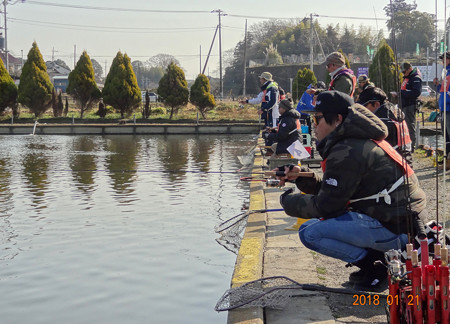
372	94
321	85
405	66
333	102
447	55
286	104
363	78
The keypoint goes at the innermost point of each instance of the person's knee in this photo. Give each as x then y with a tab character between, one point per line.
309	236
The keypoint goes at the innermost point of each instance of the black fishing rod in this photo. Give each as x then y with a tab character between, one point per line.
410	222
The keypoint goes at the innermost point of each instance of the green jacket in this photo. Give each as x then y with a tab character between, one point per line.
356	167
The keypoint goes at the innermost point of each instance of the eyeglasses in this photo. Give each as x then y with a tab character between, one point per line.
368	102
316	119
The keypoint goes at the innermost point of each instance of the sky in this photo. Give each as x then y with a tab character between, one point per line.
182	28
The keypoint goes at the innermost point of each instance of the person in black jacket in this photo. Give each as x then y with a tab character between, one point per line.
288	130
376	101
410	91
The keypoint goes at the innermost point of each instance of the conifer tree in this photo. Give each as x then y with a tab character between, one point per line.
35	88
173	88
102	111
66	108
82	85
60	105
146	110
201	96
54	103
8	89
304	78
121	89
382	70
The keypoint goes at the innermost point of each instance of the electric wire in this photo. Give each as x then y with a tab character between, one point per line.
110	29
141	10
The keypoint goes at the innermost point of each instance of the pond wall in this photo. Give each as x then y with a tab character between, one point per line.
135	129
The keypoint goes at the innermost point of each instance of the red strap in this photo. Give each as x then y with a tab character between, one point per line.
404	140
323	164
393	154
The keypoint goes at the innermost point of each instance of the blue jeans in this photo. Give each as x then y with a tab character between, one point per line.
446	132
348	236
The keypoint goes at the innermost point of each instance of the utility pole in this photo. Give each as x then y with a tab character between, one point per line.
6	37
312	44
5	2
220	13
200	58
245	59
53	54
428	70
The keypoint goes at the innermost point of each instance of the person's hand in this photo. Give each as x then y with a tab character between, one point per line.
311	91
393	94
242	102
286	169
436	81
260	112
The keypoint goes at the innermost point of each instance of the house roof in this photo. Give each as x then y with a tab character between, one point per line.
55	69
11	59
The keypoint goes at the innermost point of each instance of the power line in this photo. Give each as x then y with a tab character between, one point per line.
108	29
301	18
42	3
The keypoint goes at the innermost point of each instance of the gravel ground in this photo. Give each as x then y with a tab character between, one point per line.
333	273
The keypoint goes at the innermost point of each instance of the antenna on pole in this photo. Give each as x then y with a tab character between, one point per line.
220	13
245	59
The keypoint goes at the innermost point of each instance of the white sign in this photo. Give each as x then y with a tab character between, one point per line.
298	151
429	72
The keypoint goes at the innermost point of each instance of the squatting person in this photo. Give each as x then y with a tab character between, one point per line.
359	208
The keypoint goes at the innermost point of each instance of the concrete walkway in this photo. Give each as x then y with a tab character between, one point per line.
269	249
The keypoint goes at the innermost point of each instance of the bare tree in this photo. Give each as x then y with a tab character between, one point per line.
162	60
98	70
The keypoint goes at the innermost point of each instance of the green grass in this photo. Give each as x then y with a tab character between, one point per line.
227	111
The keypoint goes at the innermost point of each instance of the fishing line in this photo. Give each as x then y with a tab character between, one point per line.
444	122
149	171
409	220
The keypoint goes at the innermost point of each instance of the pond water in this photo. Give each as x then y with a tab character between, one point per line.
85	239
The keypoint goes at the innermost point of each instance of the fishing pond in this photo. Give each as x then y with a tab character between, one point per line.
116	229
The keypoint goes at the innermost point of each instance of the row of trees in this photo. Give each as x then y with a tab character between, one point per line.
121	90
271	40
383	72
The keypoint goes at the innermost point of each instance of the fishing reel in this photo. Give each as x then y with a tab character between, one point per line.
272	182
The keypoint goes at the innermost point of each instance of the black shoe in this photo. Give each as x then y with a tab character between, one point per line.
357	276
372	273
376	281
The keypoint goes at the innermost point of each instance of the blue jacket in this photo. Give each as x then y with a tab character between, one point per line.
305	103
440	89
